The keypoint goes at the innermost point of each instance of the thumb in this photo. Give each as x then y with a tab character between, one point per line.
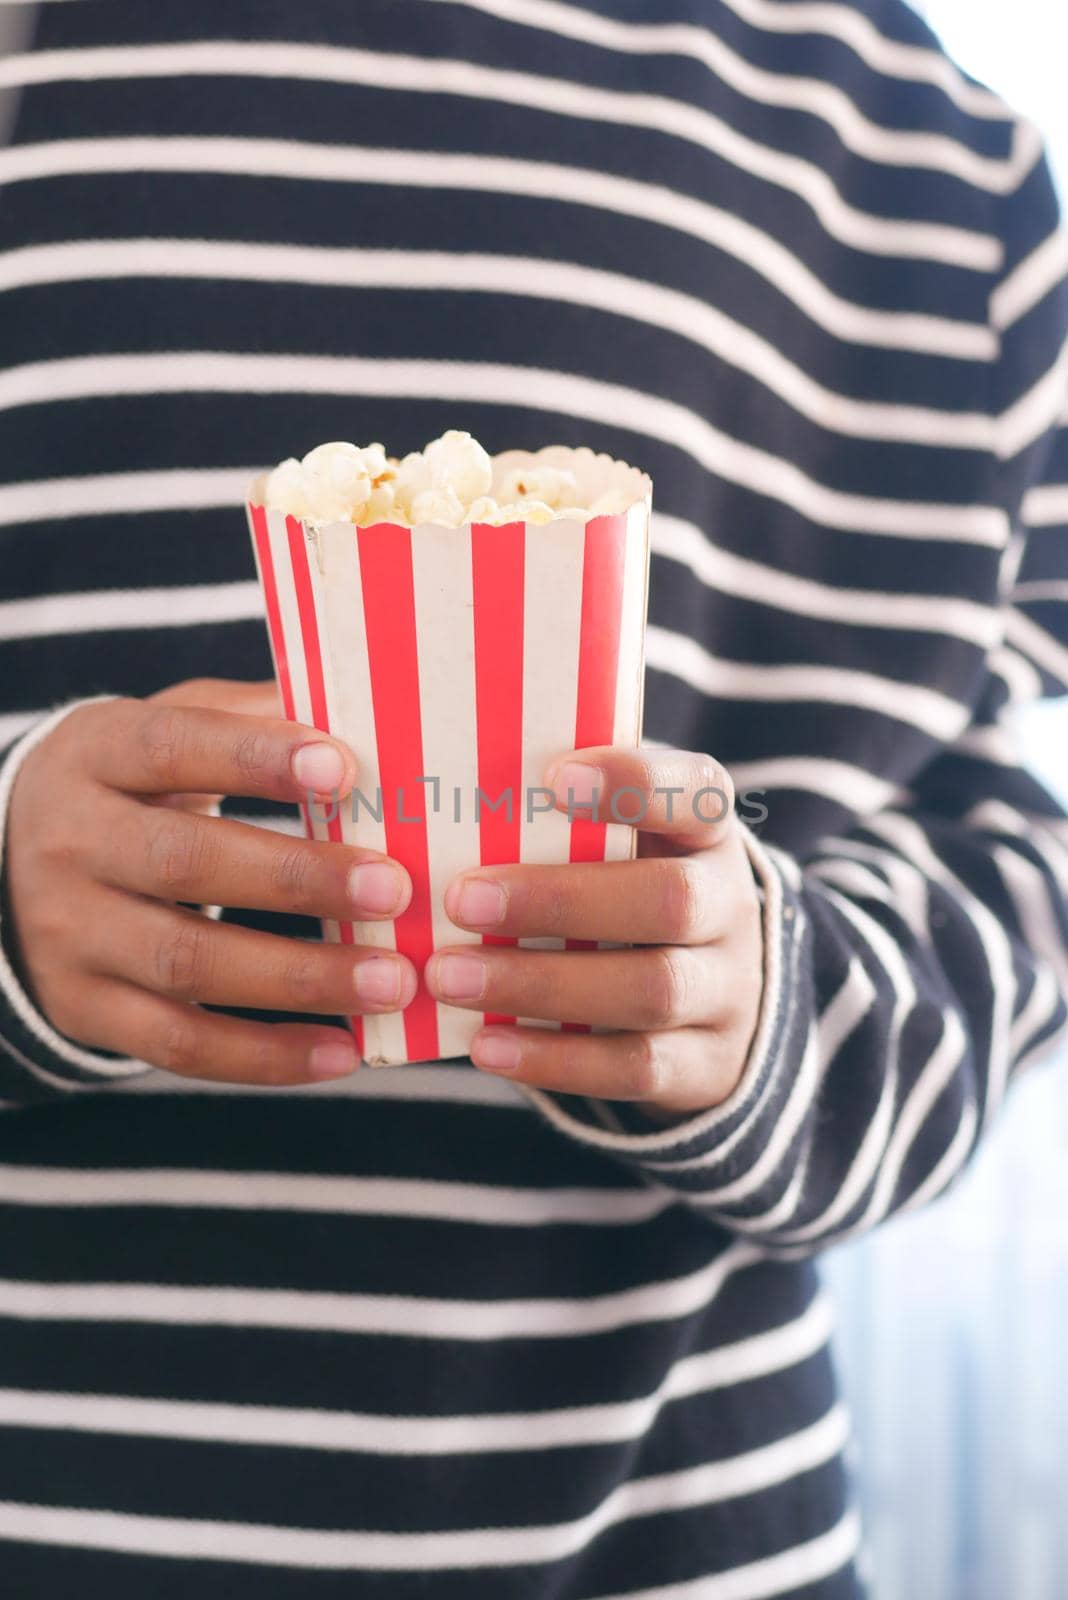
224	694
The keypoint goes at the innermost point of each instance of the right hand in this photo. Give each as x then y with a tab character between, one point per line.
106	838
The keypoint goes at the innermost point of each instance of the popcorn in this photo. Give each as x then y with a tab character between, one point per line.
285	489
457	461
412	478
546	484
535	511
438	505
381	506
336	482
451	482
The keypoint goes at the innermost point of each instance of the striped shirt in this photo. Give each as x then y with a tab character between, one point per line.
419	1333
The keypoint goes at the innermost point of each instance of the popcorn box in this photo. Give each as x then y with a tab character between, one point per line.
457	663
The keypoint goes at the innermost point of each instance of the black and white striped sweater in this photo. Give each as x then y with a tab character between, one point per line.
417	1334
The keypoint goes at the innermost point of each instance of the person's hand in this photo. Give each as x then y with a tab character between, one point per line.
683	1004
107	838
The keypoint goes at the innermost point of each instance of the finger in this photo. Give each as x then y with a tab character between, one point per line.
674	900
626	989
690	1069
147	748
200	1044
185	956
684	794
175	855
260	699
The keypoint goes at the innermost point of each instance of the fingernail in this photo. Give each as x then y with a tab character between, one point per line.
332	1061
479	903
461	977
378	981
376	888
578	785
319	767
497	1052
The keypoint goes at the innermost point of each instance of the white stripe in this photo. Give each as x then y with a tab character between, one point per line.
444	616
100	610
935	1078
335	572
1041	589
921	707
123	493
840	1018
477	1321
866	1163
552	627
816	97
1032	417
633	631
951	1163
621	842
776	987
715	1482
1030	283
1039	1011
1046	506
853	787
805	1563
759	252
859	229
989	742
890	57
487	1204
297	658
905	889
560	282
859	881
799	1103
317	820
1019	676
721	569
908	837
649	416
1029	891
290	1428
296	655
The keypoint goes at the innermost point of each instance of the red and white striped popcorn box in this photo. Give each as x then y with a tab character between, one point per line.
457	663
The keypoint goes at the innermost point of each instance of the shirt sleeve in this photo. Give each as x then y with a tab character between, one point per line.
36	1062
918	959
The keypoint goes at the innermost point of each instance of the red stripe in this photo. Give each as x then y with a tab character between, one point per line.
497	572
274	613
389	617
313	661
598	674
281	667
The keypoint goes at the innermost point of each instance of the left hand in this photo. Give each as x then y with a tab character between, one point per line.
683	1003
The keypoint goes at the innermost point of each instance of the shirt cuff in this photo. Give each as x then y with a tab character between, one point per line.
718	1141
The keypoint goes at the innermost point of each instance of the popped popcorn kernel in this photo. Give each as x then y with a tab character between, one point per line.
381	505
546	484
336	481
458	461
451	482
535	511
438	505
284	490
